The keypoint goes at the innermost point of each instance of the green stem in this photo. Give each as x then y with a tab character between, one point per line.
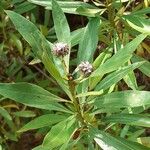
3	28
72	86
111	14
64	65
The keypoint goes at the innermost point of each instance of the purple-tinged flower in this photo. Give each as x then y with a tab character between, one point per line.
60	49
85	68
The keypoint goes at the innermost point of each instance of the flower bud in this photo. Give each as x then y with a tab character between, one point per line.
85	68
60	49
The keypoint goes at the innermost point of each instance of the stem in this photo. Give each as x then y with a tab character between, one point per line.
111	12
3	27
111	16
64	65
4	34
72	86
44	74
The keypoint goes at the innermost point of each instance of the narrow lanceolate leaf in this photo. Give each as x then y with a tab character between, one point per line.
97	62
130	80
31	34
41	147
141	11
60	133
76	36
61	28
66	6
40	46
119	58
144	141
107	142
114	77
145	68
130	119
24	7
89	41
5	114
42	121
24	113
31	95
138	23
60	23
57	76
123	99
89	12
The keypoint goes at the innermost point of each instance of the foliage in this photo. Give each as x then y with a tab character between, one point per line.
89	111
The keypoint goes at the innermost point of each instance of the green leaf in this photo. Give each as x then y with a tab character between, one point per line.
40	46
7	119
89	41
90	12
134	135
40	147
87	47
114	77
123	99
63	33
145	68
97	62
130	119
124	131
138	23
119	58
15	41
130	80
26	113
42	121
24	7
66	6
30	33
107	142
144	141
5	114
57	76
141	11
31	95
60	133
76	36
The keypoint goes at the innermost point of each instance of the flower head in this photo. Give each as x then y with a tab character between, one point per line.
85	68
60	49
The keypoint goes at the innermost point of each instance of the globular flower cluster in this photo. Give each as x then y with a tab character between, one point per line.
60	49
85	68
